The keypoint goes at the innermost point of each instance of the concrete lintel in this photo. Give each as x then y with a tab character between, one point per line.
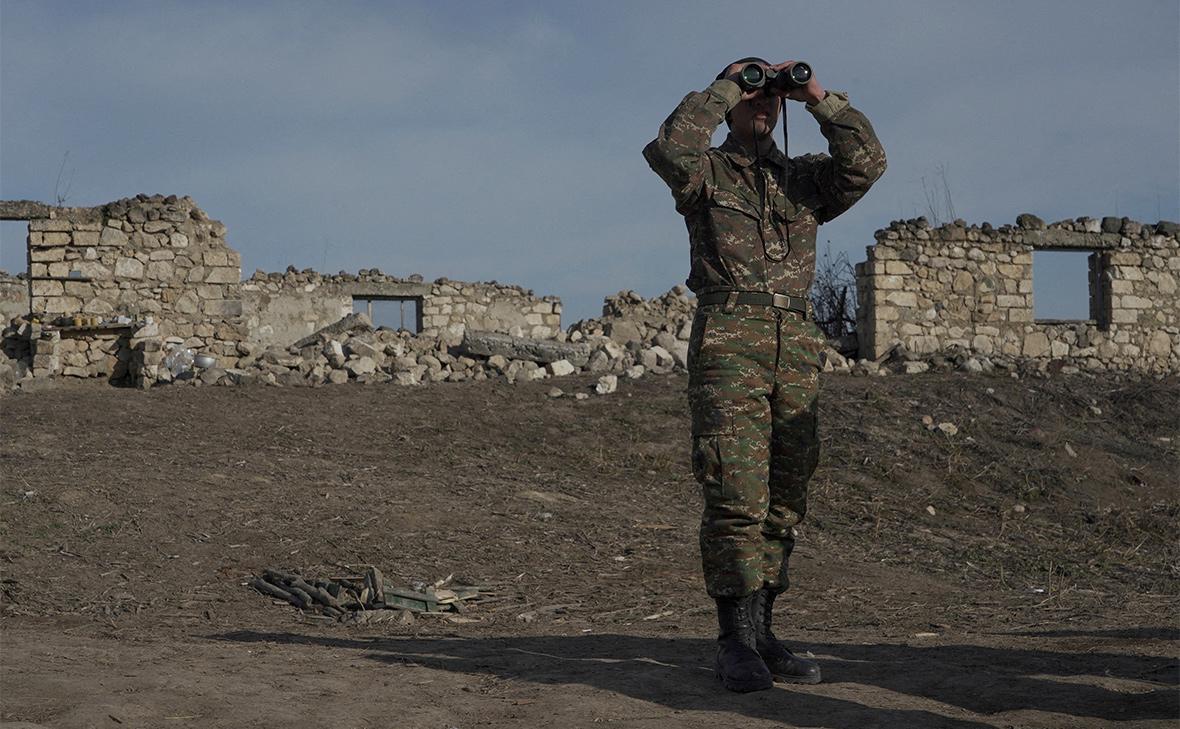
377	289
1066	240
33	210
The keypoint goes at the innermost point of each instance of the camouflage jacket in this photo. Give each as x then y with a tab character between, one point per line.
737	241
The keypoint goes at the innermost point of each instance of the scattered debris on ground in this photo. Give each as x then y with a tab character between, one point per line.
348	598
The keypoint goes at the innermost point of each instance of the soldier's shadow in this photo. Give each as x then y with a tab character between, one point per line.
677	673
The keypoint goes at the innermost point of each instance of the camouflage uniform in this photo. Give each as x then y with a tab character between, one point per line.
753	369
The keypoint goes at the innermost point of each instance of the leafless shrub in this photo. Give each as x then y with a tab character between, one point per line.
833	295
938	197
61	191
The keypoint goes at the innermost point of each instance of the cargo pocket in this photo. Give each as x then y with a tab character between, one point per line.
706	460
709	420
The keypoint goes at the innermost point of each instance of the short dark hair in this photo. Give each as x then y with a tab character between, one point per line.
747	59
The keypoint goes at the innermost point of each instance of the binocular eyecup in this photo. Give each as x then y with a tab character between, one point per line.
754	76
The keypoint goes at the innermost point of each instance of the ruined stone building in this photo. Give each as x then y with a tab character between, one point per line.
110	290
971	287
110	287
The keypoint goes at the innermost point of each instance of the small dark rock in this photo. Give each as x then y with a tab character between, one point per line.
1028	221
1167	227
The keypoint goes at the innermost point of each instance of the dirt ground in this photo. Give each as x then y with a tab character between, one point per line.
1019	573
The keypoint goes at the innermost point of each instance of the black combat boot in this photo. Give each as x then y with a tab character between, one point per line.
738	665
780	661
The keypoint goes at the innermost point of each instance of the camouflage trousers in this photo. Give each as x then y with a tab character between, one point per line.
753	387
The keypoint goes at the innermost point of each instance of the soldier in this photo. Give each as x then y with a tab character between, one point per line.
752	217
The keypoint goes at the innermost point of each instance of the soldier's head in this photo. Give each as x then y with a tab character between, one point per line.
756	118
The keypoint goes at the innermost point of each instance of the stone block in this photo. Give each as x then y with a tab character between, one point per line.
159	270
47	288
93	269
223	275
1036	344
333	351
1011	301
62	305
624	331
498	362
560	368
902	298
47	255
55	224
599	362
81	289
362	348
485	344
963	283
112	237
128	268
923	344
606	384
1159	344
87	238
1136	302
216	257
46	363
407	378
223	307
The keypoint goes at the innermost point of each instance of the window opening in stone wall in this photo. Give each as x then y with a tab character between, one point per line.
1067	286
14	246
394	312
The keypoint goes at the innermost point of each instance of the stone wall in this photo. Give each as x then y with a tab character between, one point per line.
971	287
635	322
99	275
282	308
14	296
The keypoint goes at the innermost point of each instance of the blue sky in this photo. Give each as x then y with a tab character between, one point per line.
499	140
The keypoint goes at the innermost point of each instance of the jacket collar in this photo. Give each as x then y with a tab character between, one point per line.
738	154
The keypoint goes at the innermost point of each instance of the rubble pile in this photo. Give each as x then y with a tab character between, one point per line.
955	358
631	320
634	337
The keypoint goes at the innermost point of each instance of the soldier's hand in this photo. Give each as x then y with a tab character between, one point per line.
812	93
733	73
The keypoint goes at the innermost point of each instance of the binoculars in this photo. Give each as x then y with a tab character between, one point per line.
754	76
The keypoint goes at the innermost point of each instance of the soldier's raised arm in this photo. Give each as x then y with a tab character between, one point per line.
677	154
855	161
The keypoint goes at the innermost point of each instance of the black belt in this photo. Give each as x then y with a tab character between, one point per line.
797	304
